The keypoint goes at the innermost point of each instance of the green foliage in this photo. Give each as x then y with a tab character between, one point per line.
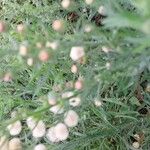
122	87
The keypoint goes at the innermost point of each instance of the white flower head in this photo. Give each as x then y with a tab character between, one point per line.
97	103
39	130
77	53
31	123
57	109
58	25
71	118
67	94
40	147
15	128
106	49
75	101
15	144
51	136
61	131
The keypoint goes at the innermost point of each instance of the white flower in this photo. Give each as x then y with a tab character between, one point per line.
39	130
51	136
58	25
51	98
77	53
88	28
74	69
30	61
89	2
102	10
71	118
57	109
75	101
15	128
15	144
52	45
31	123
67	94
61	131
23	50
65	4
97	103
108	65
3	143
40	147
136	145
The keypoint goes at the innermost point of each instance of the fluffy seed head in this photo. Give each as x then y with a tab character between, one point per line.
78	84
15	128
71	118
77	53
61	131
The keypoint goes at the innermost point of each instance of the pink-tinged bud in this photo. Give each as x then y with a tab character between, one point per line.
71	118
58	25
2	26
43	56
7	77
52	98
23	50
74	69
78	85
